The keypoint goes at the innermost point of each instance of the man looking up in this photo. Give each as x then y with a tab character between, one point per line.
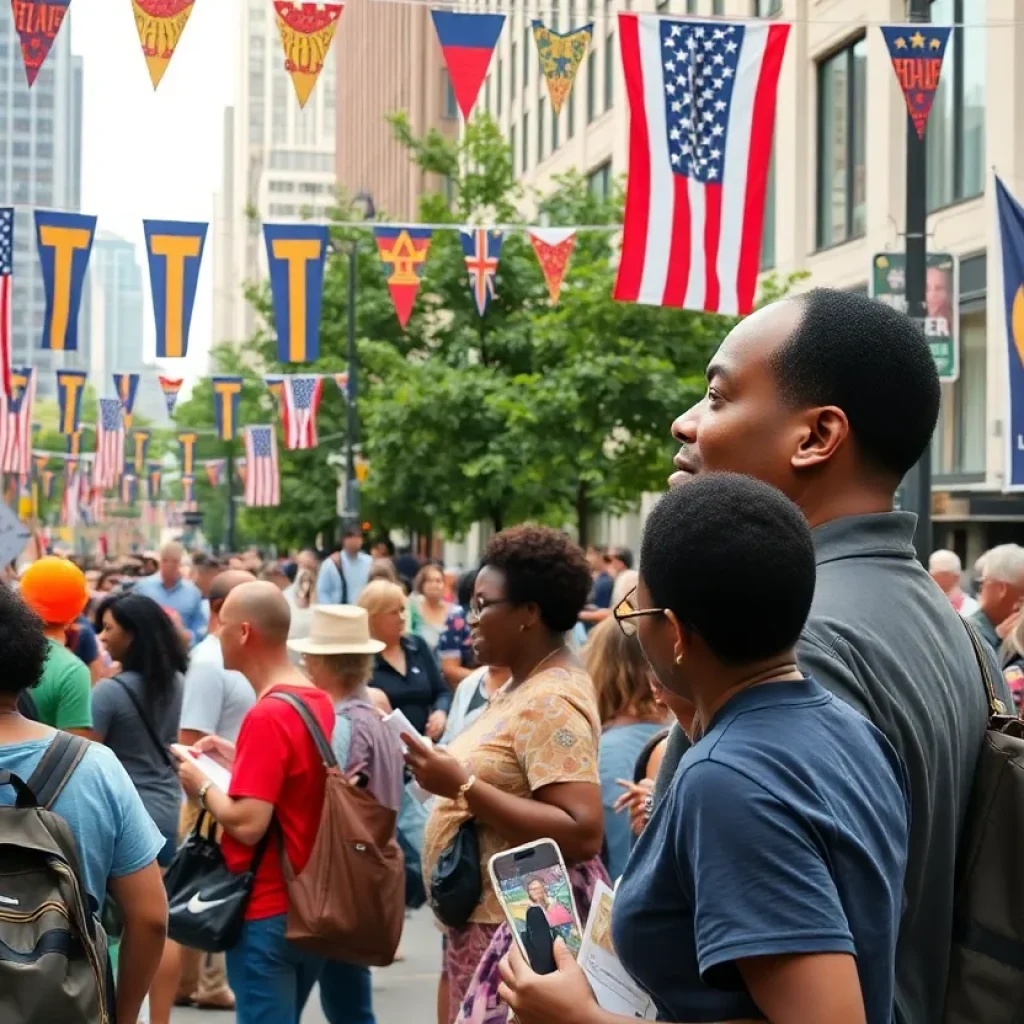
344	575
174	593
1000	593
832	398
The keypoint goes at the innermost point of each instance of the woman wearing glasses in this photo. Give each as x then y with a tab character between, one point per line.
527	768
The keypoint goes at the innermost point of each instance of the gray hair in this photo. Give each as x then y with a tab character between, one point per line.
945	560
1005	564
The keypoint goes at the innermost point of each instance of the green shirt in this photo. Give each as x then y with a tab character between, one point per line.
63	697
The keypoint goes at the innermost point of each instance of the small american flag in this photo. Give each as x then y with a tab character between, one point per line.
298	411
6	284
702	113
262	479
109	462
16	422
69	515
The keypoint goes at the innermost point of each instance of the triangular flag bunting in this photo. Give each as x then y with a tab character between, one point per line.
127	387
561	55
307	31
916	52
553	247
160	24
214	470
403	251
482	248
170	387
467	42
341	379
37	23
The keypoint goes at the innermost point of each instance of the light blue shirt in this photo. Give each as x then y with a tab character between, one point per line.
357	573
114	834
184	597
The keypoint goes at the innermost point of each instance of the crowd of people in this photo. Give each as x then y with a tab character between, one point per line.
765	728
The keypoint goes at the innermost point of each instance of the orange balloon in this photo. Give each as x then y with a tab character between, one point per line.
55	589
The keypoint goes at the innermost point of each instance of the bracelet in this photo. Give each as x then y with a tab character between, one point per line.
201	795
466	787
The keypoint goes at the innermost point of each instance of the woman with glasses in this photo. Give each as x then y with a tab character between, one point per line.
527	768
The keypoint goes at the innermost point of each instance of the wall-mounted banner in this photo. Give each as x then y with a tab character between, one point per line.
141	439
160	24
482	248
887	283
296	254
170	387
64	241
553	247
307	31
214	470
467	42
227	393
127	387
188	489
154	481
128	482
175	251
1011	235
70	388
37	23
403	251
187	441
916	51
561	54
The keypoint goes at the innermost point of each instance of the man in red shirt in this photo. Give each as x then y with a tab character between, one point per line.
276	774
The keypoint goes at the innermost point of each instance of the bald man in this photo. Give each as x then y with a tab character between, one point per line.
174	593
276	774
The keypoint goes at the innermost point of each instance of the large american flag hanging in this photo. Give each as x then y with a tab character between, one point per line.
16	423
299	405
108	464
6	284
702	114
262	479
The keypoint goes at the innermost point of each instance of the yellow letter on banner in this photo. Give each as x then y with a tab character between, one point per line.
65	242
297	252
175	249
72	385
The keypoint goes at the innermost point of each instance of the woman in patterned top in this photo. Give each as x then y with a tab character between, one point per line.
527	769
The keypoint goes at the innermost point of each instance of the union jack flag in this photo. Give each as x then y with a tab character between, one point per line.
301	400
262	479
482	248
108	465
16	423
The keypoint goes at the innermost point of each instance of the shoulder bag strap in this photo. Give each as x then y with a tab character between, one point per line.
55	767
323	746
336	559
995	705
145	722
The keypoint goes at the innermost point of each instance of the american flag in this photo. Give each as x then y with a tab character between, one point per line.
702	114
482	249
262	480
69	503
6	284
16	422
301	399
109	462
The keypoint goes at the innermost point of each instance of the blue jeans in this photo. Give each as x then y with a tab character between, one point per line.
270	977
346	993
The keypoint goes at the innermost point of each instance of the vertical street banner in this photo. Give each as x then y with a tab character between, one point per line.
887	283
297	254
187	441
70	388
175	250
170	386
74	441
127	387
561	54
141	450
307	31
553	247
37	23
188	489
403	252
1011	236
482	250
916	52
65	242
227	394
154	481
467	42
160	24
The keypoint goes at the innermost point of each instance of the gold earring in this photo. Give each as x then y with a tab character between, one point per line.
679	659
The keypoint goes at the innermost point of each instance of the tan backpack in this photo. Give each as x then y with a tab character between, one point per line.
348	902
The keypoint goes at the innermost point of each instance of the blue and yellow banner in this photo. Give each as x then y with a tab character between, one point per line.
227	393
128	489
297	254
127	387
188	488
175	250
188	452
64	241
154	481
70	388
141	439
1011	233
75	443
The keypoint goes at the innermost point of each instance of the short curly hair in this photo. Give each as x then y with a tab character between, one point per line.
542	567
23	642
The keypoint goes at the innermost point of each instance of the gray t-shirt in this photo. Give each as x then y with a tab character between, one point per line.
116	720
216	699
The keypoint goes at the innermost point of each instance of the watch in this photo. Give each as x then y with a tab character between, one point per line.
201	795
466	787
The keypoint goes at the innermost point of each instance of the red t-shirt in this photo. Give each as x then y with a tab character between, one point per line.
276	760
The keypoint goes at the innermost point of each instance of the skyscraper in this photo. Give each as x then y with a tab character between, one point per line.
40	167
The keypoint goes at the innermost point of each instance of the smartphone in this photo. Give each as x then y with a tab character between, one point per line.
532	885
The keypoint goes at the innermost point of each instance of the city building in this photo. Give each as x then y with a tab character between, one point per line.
279	163
40	167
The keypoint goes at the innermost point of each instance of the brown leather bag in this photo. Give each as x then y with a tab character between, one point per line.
348	902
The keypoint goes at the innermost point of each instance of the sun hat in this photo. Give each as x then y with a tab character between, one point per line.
55	589
338	629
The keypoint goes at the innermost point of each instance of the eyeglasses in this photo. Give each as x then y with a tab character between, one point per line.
480	604
626	612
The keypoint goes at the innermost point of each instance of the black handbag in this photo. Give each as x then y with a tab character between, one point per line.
456	882
205	901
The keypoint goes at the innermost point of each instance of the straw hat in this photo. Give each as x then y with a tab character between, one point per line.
338	629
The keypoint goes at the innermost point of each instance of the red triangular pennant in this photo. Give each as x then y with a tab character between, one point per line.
467	41
37	23
553	247
403	252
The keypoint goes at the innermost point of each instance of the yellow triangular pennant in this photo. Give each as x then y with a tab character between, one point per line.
560	58
160	24
307	31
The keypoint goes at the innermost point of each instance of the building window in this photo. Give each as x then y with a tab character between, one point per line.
556	20
768	233
609	71
661	5
841	145
591	90
512	74
513	152
555	141
599	181
487	95
570	125
451	108
526	59
959	445
766	8
691	6
501	67
526	141
541	137
718	7
955	139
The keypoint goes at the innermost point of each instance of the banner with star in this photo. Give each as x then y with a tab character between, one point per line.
307	31
553	247
403	253
37	23
916	52
561	54
160	24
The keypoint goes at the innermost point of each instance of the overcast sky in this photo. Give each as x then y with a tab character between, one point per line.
149	154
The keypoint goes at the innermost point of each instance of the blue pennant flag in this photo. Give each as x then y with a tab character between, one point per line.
64	241
227	393
297	254
70	388
127	387
916	52
1011	234
175	251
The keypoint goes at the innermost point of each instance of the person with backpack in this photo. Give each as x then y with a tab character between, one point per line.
100	838
345	573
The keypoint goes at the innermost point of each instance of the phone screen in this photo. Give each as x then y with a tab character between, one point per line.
535	890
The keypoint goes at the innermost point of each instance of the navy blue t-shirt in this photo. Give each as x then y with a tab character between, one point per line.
86	647
785	831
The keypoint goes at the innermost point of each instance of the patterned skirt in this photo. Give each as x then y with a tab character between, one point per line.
472	955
